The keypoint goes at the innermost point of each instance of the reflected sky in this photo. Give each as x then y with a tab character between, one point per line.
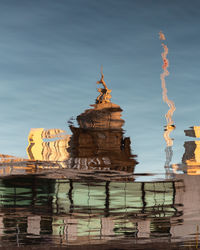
50	58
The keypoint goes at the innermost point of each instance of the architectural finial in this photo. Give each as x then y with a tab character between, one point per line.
105	95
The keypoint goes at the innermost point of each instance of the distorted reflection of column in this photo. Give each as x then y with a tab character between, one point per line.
1	225
107	200
107	228
70	196
189	198
107	224
33	225
71	229
143	229
143	197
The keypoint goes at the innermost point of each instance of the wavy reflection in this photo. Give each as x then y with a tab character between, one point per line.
49	150
98	142
165	73
170	124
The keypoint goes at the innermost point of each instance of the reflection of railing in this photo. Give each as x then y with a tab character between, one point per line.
140	197
79	211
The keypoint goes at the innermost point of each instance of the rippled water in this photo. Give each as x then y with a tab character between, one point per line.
124	171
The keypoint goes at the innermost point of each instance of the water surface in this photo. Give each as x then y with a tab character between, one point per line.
123	171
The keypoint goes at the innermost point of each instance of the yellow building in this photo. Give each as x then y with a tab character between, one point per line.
191	156
48	145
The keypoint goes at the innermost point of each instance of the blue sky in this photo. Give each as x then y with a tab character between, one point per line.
50	58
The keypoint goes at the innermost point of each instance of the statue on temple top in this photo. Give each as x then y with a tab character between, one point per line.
105	95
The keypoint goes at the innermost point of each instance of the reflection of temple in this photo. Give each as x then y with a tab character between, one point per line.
98	142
